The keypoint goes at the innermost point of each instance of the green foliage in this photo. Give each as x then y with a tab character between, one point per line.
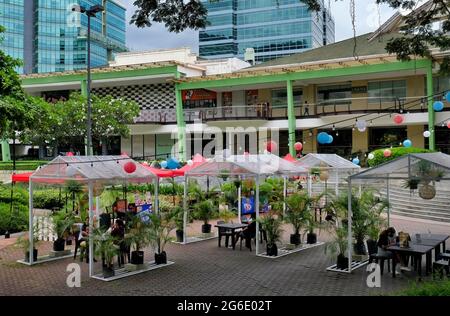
14	222
137	235
20	195
298	211
105	246
396	153
22	165
205	210
160	227
47	199
431	288
62	223
272	224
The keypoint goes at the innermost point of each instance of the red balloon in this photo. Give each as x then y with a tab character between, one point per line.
398	119
298	146
130	167
387	153
70	154
271	146
448	124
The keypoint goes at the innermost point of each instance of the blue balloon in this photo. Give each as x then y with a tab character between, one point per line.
330	139
323	138
407	143
173	164
356	161
447	96
438	106
164	164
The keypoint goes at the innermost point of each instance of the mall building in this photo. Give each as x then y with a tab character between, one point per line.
291	99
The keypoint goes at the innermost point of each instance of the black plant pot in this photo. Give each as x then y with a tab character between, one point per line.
206	228
360	248
108	272
7	235
161	258
296	239
311	238
342	262
137	257
272	250
372	246
180	235
35	256
59	244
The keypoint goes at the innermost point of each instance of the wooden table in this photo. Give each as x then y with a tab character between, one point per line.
417	252
232	227
432	240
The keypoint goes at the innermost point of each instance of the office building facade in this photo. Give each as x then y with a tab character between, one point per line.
272	28
49	37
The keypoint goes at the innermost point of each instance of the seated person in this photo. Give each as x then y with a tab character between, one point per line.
248	233
387	238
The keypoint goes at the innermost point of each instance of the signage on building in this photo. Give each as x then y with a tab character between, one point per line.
359	89
198	95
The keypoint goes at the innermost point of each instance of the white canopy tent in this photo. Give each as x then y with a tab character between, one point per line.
338	167
426	168
253	166
90	171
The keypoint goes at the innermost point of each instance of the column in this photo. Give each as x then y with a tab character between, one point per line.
6	154
292	121
181	124
431	114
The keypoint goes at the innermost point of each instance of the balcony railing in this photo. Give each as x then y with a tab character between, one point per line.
265	111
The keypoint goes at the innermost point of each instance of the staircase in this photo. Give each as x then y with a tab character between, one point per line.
408	204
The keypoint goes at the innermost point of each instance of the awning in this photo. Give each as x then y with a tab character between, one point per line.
21	177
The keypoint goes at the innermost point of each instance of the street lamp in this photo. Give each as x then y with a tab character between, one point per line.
90	13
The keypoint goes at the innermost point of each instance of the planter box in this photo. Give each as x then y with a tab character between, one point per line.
58	254
134	267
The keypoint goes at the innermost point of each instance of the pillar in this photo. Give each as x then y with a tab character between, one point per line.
292	120
181	124
6	154
431	114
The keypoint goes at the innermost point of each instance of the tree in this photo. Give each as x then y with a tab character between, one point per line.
418	37
61	123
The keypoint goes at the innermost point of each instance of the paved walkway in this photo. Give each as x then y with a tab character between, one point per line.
203	269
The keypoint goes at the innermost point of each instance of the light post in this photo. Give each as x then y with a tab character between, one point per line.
90	13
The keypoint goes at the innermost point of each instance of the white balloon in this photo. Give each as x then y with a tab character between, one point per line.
190	163
426	134
371	156
361	125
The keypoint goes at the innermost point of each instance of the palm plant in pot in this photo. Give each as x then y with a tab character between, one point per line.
272	225
62	225
297	214
106	247
23	242
161	225
136	239
179	223
338	245
204	211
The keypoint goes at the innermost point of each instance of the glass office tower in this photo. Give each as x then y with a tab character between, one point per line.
273	28
54	38
12	19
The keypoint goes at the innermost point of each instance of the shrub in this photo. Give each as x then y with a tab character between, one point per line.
22	165
14	222
20	195
396	153
48	199
432	288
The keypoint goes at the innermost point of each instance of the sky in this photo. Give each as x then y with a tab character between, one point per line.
368	19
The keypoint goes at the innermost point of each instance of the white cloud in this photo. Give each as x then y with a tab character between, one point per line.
157	37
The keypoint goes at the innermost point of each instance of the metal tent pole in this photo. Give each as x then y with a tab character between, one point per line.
31	224
257	214
240	203
388	197
349	214
157	196
284	195
91	228
185	210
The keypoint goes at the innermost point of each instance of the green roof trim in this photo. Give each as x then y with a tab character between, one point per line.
117	73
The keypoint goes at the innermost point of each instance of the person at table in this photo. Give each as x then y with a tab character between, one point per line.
387	239
118	232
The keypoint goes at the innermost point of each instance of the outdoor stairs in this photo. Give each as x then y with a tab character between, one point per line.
405	203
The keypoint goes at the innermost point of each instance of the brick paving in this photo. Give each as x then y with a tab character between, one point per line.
203	269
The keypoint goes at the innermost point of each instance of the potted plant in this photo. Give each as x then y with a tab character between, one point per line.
23	242
337	246
161	225
136	239
105	246
311	236
297	214
179	223
411	183
227	216
205	211
272	224
62	225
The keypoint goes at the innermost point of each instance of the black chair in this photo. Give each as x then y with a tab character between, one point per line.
379	259
248	234
440	266
223	232
444	256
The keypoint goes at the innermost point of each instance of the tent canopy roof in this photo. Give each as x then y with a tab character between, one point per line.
247	165
429	165
96	169
331	161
